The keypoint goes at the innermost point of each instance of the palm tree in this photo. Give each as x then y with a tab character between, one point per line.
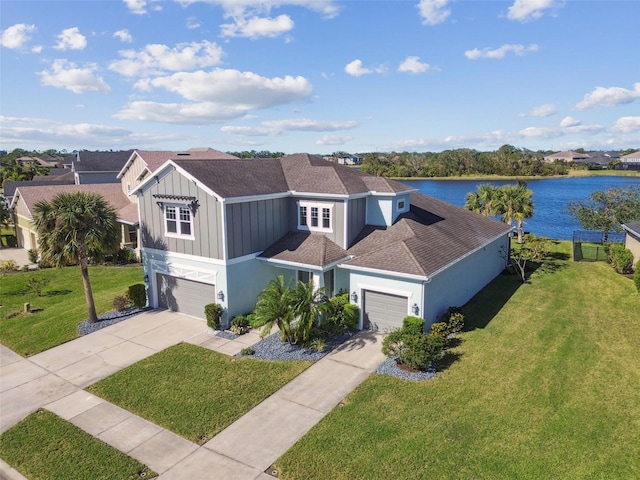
514	202
74	227
483	201
308	304
274	308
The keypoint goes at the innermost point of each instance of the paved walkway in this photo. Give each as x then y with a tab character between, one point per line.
55	378
18	255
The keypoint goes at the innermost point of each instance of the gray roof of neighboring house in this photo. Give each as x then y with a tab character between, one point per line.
299	173
87	161
422	242
633	227
10	187
630	155
112	192
313	249
570	155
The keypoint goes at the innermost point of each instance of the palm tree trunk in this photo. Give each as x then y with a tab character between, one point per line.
520	231
88	293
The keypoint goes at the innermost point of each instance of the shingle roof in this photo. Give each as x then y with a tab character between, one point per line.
101	161
432	235
155	158
112	193
313	249
633	227
10	187
300	173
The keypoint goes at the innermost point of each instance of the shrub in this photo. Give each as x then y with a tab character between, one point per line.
454	318
120	303
239	325
213	312
137	295
33	255
126	255
252	321
413	325
636	276
422	350
8	266
247	351
25	268
440	328
621	258
393	343
36	285
317	345
341	315
350	316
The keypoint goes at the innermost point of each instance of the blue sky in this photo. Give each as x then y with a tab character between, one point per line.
319	76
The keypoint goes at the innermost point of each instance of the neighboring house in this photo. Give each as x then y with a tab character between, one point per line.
142	162
567	157
98	167
9	188
630	161
350	159
219	231
633	240
26	197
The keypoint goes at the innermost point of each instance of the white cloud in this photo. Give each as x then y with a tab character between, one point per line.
37	49
433	11
497	53
71	39
139	7
123	35
220	95
193	23
278	127
157	58
569	122
525	10
16	36
328	8
545	110
333	140
65	74
413	65
609	97
627	124
256	27
355	69
5	119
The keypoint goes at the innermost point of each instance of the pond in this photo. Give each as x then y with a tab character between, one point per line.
550	198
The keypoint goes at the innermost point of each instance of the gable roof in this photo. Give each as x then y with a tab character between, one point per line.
313	249
154	159
112	192
633	228
299	173
86	161
431	236
10	187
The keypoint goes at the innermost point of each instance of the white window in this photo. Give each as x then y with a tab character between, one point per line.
178	221
315	216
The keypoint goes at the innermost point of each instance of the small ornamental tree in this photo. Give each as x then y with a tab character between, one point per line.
532	249
636	276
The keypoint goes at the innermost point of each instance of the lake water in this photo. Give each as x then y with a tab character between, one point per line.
550	198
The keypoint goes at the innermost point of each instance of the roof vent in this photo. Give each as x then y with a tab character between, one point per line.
183	154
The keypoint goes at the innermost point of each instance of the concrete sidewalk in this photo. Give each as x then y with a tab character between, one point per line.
54	380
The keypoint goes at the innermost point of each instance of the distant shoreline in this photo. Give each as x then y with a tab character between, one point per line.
571	174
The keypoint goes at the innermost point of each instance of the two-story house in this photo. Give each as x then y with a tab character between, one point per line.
219	231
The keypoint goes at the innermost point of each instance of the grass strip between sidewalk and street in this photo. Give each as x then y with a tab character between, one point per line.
44	446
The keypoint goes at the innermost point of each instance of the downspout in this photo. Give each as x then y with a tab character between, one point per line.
424	300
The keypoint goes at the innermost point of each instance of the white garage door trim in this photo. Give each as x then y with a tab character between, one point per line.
184	295
383	311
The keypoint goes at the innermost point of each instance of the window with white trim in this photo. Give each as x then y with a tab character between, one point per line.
315	216
178	221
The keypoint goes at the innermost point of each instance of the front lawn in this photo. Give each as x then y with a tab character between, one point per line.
193	391
62	306
43	446
545	384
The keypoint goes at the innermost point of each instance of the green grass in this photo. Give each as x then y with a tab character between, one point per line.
193	391
43	447
62	306
545	384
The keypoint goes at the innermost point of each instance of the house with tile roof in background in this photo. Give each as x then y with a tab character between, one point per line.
630	161
219	231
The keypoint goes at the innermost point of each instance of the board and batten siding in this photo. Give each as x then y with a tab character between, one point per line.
337	220
130	177
253	226
207	221
357	218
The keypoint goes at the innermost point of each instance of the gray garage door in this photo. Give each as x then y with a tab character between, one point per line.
184	296
382	311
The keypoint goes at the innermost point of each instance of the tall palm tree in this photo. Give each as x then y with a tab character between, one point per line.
514	202
74	227
274	308
483	201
